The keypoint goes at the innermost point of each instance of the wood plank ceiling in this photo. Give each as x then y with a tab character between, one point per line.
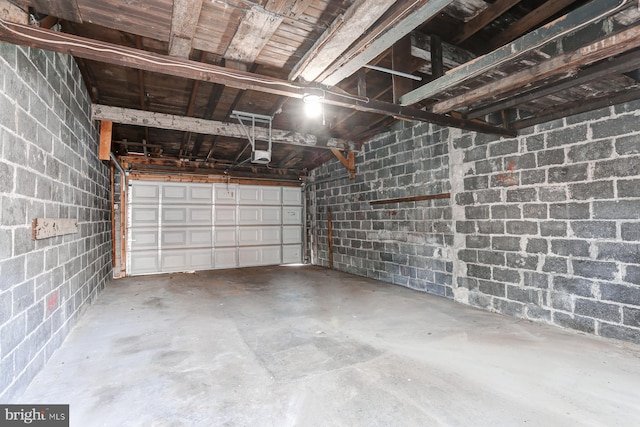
491	66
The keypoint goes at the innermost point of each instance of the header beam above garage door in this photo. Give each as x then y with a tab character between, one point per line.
129	116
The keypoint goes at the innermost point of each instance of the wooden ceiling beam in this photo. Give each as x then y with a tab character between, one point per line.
621	64
405	19
342	32
558	65
529	21
134	58
209	127
254	32
452	56
578	107
63	9
526	43
184	22
485	17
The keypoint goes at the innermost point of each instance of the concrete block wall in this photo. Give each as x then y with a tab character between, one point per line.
545	226
48	168
407	244
548	224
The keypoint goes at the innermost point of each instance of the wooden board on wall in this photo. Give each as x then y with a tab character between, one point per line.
44	228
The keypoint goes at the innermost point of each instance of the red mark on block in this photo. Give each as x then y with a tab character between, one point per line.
508	178
52	303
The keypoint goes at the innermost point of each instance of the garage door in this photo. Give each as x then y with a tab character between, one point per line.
198	226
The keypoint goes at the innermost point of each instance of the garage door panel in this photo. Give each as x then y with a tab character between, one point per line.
199	216
142	216
225	194
186	215
174	193
174	238
271	195
291	215
291	234
250	215
185	260
259	236
195	226
254	256
291	254
291	196
200	237
174	215
248	195
201	194
225	215
143	239
145	192
225	258
144	262
224	236
256	195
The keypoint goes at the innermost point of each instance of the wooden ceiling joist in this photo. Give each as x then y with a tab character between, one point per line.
184	21
452	56
342	32
564	25
621	64
254	32
164	64
485	17
63	9
579	107
565	63
382	38
209	127
529	21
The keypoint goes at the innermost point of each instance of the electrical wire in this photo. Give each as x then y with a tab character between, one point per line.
69	42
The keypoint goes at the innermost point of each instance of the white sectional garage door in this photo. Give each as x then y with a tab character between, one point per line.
196	226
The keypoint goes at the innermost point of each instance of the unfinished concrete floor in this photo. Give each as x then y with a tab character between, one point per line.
306	346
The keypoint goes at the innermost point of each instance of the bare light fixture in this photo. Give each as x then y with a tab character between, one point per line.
313	102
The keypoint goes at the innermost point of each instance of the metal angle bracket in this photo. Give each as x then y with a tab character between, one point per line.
250	119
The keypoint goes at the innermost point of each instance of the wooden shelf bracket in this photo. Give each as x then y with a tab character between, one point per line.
348	162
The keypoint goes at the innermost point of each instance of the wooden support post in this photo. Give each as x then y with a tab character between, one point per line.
437	60
113	217
105	139
348	162
330	237
401	61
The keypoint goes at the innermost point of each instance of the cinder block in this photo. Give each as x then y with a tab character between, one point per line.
620	332
622	209
579	323
595	229
622	252
617	126
569	211
628	166
598	310
570	173
594	269
592	190
551	157
631	316
590	151
561	135
579	248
